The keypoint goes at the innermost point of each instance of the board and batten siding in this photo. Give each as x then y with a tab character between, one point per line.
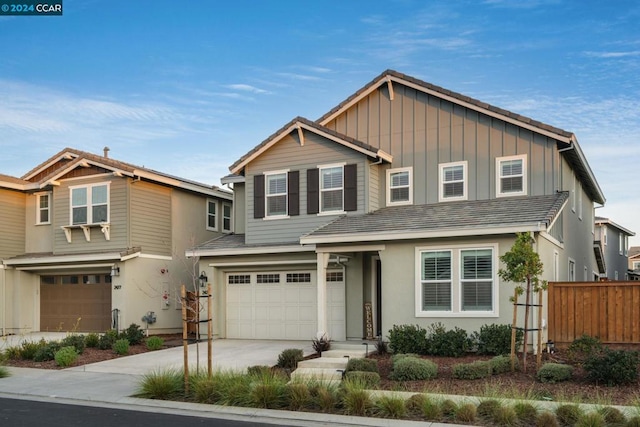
12	223
118	217
151	218
288	154
422	131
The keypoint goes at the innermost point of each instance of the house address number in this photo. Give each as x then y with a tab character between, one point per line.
116	287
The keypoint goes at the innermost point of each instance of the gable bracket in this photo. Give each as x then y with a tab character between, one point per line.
300	135
390	87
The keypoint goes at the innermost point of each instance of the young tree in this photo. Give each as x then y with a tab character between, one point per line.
523	265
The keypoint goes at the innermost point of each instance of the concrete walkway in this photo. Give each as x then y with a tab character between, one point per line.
111	384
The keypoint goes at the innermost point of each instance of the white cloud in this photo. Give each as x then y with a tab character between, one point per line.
247	88
617	54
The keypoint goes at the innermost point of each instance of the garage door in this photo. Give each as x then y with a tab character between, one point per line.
65	299
282	305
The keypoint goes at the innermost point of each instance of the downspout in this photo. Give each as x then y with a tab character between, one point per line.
4	300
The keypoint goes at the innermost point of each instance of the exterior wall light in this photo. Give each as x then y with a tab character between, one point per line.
203	279
115	271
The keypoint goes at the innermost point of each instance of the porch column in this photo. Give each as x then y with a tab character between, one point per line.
323	262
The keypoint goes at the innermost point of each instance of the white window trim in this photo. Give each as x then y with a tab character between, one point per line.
570	262
456	284
620	243
89	203
499	176
38	209
224	230
209	228
329	166
441	182
626	245
635	265
399	170
268	217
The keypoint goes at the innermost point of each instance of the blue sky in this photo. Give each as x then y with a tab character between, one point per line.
188	87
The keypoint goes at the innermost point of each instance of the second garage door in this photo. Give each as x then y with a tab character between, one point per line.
282	305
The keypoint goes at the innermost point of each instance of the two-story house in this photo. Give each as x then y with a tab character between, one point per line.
612	242
89	243
394	208
634	263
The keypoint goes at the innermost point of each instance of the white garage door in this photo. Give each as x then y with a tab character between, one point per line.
282	305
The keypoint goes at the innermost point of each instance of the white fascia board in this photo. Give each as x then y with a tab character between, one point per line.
339	141
618	226
66	155
64	266
209	191
409	234
259	263
262	149
351	248
250	251
19	187
111	256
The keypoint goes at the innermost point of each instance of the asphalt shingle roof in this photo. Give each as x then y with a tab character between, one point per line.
476	214
235	241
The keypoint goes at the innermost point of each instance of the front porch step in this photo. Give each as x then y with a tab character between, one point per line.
316	374
325	362
353	353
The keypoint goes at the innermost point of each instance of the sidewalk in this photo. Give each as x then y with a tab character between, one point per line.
111	384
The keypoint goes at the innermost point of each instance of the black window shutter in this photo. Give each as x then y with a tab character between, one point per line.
313	188
351	187
258	196
293	192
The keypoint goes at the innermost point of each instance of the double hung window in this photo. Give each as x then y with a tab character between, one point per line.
90	204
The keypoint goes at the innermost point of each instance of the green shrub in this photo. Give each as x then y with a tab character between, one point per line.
66	356
546	419
258	370
324	396
370	379
204	390
298	396
269	391
396	357
13	352
568	414
390	407
452	343
431	410
91	340
472	371
487	408
154	343
554	373
411	369
365	365
525	412
230	388
448	408
4	372
612	415
633	421
47	352
162	384
500	365
612	367
75	341
133	333
505	416
121	346
592	419
495	339
289	358
28	349
107	339
415	403
355	398
582	348
407	339
466	413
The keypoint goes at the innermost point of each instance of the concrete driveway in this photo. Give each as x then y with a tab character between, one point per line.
227	354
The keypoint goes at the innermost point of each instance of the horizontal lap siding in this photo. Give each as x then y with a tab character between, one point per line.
289	154
12	223
117	211
607	310
151	218
422	131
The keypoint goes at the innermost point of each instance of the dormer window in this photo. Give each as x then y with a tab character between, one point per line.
512	176
43	208
90	204
453	181
399	182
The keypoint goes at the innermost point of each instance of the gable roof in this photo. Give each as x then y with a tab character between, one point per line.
68	159
467	218
634	251
301	124
570	148
13	183
599	220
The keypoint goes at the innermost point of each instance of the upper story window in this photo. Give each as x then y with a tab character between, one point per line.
636	265
399	182
276	194
331	189
453	181
212	212
226	217
43	208
90	204
512	176
456	281
621	243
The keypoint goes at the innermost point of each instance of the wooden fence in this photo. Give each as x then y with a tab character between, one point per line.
607	310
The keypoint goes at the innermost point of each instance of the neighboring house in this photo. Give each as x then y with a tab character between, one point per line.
394	208
634	263
612	249
88	242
